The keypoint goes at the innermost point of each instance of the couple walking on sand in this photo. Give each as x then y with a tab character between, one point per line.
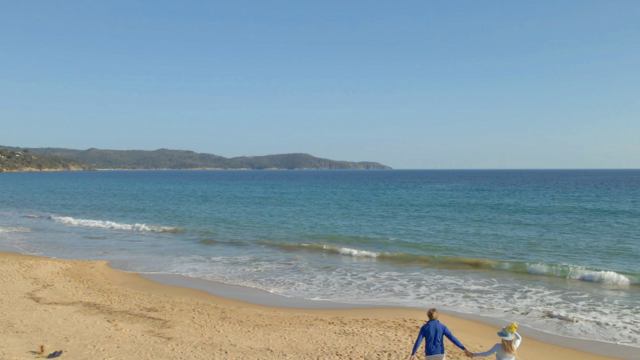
434	332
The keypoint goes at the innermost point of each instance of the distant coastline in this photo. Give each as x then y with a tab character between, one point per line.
43	170
25	161
221	169
192	169
165	159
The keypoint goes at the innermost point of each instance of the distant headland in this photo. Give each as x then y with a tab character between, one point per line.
56	159
23	161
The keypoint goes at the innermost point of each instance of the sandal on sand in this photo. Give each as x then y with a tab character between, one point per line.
54	354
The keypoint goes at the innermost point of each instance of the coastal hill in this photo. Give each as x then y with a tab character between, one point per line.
180	159
17	161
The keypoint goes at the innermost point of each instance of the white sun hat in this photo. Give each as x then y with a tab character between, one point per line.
506	334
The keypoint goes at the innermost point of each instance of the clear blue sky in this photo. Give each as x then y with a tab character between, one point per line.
424	84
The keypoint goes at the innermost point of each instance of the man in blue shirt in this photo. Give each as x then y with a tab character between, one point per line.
434	332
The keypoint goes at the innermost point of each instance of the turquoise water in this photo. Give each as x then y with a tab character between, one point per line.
556	250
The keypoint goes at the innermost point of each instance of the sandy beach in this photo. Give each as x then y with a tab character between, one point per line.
91	311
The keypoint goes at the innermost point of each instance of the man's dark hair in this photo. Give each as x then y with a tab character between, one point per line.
432	314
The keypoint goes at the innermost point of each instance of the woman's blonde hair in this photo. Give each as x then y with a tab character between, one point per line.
507	346
432	314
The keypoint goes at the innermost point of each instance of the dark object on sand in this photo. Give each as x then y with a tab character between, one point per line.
41	350
54	354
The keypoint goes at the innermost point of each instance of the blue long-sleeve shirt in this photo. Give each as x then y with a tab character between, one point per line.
434	332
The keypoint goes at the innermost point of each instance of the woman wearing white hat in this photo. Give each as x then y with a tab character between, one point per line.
506	350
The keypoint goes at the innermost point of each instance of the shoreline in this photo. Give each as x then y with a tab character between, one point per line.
263	298
362	332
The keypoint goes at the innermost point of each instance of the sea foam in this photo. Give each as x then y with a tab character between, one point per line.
580	273
109	224
345	251
358	253
571	272
603	277
541	269
13	229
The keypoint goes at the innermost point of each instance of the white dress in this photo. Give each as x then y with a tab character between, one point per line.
500	353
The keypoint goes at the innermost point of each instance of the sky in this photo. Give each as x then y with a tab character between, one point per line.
410	84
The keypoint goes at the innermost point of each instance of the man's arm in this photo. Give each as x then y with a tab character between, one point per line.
417	344
453	339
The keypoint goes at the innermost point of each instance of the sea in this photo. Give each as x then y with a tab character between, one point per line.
555	250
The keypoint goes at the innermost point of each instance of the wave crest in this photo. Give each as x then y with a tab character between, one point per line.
603	277
358	253
580	273
456	262
111	225
345	251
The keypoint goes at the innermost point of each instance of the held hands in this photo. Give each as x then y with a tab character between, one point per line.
466	352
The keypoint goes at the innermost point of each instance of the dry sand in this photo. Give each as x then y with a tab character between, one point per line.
91	311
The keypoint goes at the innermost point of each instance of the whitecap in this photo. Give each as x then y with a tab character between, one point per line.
603	277
358	253
111	225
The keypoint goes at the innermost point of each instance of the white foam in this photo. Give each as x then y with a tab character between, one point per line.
109	224
580	273
561	316
349	251
13	229
603	277
538	268
358	253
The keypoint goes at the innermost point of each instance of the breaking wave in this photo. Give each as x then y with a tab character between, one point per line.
110	224
358	253
581	273
454	262
326	248
604	277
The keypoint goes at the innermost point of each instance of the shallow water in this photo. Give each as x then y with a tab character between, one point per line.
556	250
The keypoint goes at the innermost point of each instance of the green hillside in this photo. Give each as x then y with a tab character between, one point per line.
24	160
180	159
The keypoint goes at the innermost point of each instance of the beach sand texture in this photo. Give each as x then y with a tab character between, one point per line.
91	311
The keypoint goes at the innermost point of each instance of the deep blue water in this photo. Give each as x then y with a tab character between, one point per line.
557	250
